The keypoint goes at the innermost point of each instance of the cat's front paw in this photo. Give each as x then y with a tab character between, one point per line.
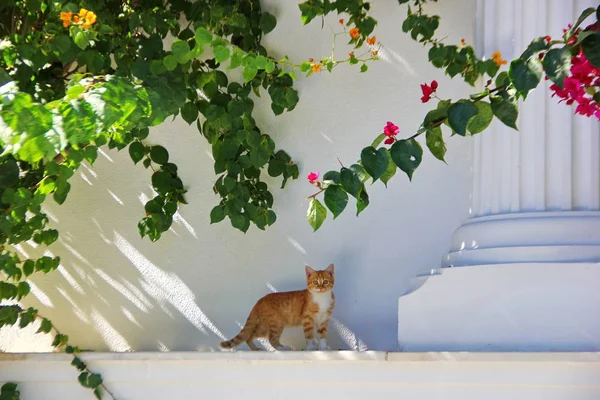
311	346
283	348
323	345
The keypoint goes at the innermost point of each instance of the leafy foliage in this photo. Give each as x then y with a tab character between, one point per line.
464	117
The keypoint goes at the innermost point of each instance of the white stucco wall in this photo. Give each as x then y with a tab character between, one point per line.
115	291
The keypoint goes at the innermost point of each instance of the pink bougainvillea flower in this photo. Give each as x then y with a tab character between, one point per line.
582	76
390	129
313	177
428	91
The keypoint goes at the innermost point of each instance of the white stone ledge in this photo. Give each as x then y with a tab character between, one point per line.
301	375
314	356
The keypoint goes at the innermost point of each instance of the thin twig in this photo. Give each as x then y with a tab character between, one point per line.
313	196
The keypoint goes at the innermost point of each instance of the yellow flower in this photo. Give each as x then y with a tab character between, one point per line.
82	13
354	33
65	17
497	57
316	68
90	18
372	40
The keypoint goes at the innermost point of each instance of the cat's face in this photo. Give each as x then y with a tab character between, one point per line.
319	281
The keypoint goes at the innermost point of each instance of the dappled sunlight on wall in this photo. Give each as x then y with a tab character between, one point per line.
197	284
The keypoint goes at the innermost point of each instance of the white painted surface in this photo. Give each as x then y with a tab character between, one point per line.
333	375
505	307
528	263
190	290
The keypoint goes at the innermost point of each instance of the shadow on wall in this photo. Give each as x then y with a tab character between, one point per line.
108	295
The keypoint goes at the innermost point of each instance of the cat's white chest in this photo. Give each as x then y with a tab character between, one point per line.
323	300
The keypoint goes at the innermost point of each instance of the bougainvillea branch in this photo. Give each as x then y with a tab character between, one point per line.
571	64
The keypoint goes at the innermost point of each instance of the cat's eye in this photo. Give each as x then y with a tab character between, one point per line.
325	282
315	283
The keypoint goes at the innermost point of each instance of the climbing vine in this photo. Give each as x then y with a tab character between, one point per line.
571	63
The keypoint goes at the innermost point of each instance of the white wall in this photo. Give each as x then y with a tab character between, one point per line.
332	375
115	291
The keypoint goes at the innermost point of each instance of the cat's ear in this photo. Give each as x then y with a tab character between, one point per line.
330	269
308	270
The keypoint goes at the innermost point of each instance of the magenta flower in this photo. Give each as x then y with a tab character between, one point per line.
583	75
313	177
390	130
428	91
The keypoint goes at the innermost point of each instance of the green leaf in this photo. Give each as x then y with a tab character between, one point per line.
217	214
362	202
77	363
137	151
374	161
378	140
390	170
23	290
28	267
350	181
459	115
203	36
435	143
557	64
538	44
60	195
94	380
249	73
584	14
45	326
159	155
60	340
336	199
189	112
591	49
360	172
82	40
407	155
525	75
9	391
364	68
483	118
267	22
506	111
316	214
180	50
332	176
157	67
240	221
170	62
221	53
9	173
27	318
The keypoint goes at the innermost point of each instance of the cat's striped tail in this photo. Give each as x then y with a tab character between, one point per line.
246	332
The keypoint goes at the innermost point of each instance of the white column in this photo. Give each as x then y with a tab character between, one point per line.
529	257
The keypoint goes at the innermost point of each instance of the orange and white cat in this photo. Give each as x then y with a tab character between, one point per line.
310	308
